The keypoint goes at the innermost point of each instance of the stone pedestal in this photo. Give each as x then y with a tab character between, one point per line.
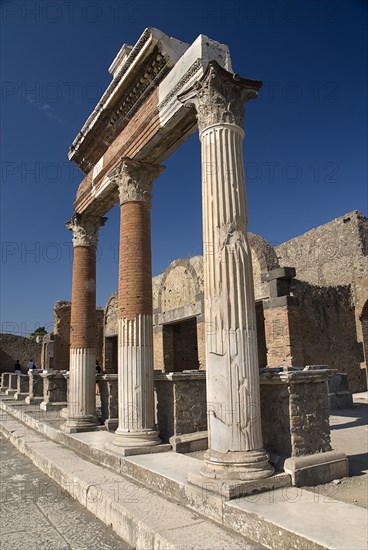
295	425
54	391
338	392
35	388
13	384
135	338
181	403
234	418
108	384
22	387
5	379
282	321
83	331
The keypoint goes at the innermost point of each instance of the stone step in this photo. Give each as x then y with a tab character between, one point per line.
283	518
140	516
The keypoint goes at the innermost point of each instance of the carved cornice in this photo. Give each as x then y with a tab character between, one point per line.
85	229
134	180
219	96
193	69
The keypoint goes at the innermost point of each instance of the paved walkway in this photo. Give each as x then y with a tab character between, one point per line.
37	514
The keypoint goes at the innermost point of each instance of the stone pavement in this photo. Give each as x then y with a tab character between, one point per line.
168	512
36	513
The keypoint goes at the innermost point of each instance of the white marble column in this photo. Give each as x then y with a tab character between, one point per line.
81	406
135	331
233	394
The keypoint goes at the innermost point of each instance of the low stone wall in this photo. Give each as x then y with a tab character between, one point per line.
295	411
181	403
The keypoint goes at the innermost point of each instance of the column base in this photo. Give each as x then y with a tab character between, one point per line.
64	413
141	438
76	425
135	443
237	465
230	489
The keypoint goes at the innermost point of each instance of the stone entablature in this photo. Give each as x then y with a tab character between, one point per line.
164	123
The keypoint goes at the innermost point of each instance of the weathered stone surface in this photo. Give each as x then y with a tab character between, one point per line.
22	386
35	387
295	412
181	403
332	262
54	390
5	379
14	347
339	395
317	468
108	385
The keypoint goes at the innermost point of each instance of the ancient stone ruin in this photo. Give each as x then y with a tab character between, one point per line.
229	352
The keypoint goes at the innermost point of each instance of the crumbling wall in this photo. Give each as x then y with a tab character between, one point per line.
329	330
333	255
13	347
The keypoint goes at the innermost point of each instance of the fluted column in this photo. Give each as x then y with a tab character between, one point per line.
81	413
135	335
233	394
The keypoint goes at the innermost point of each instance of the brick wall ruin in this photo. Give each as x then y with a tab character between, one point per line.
332	260
332	316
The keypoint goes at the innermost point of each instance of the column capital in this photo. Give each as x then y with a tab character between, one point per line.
219	96
134	180
85	229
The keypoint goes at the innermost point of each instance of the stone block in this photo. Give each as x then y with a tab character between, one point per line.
230	490
188	443
108	385
181	403
5	378
318	468
283	273
35	388
281	301
338	392
22	387
54	390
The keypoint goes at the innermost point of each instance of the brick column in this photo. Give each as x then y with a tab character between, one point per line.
233	397
135	334
283	329
81	414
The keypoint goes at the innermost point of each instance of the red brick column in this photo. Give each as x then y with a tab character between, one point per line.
283	329
135	332
81	415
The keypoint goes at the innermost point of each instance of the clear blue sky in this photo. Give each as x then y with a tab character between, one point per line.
305	147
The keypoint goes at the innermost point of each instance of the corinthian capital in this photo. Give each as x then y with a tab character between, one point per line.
85	229
134	180
219	96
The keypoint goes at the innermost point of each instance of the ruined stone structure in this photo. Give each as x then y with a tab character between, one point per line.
13	347
331	263
298	323
199	314
162	90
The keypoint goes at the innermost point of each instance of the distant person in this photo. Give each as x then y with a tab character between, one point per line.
31	365
17	367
